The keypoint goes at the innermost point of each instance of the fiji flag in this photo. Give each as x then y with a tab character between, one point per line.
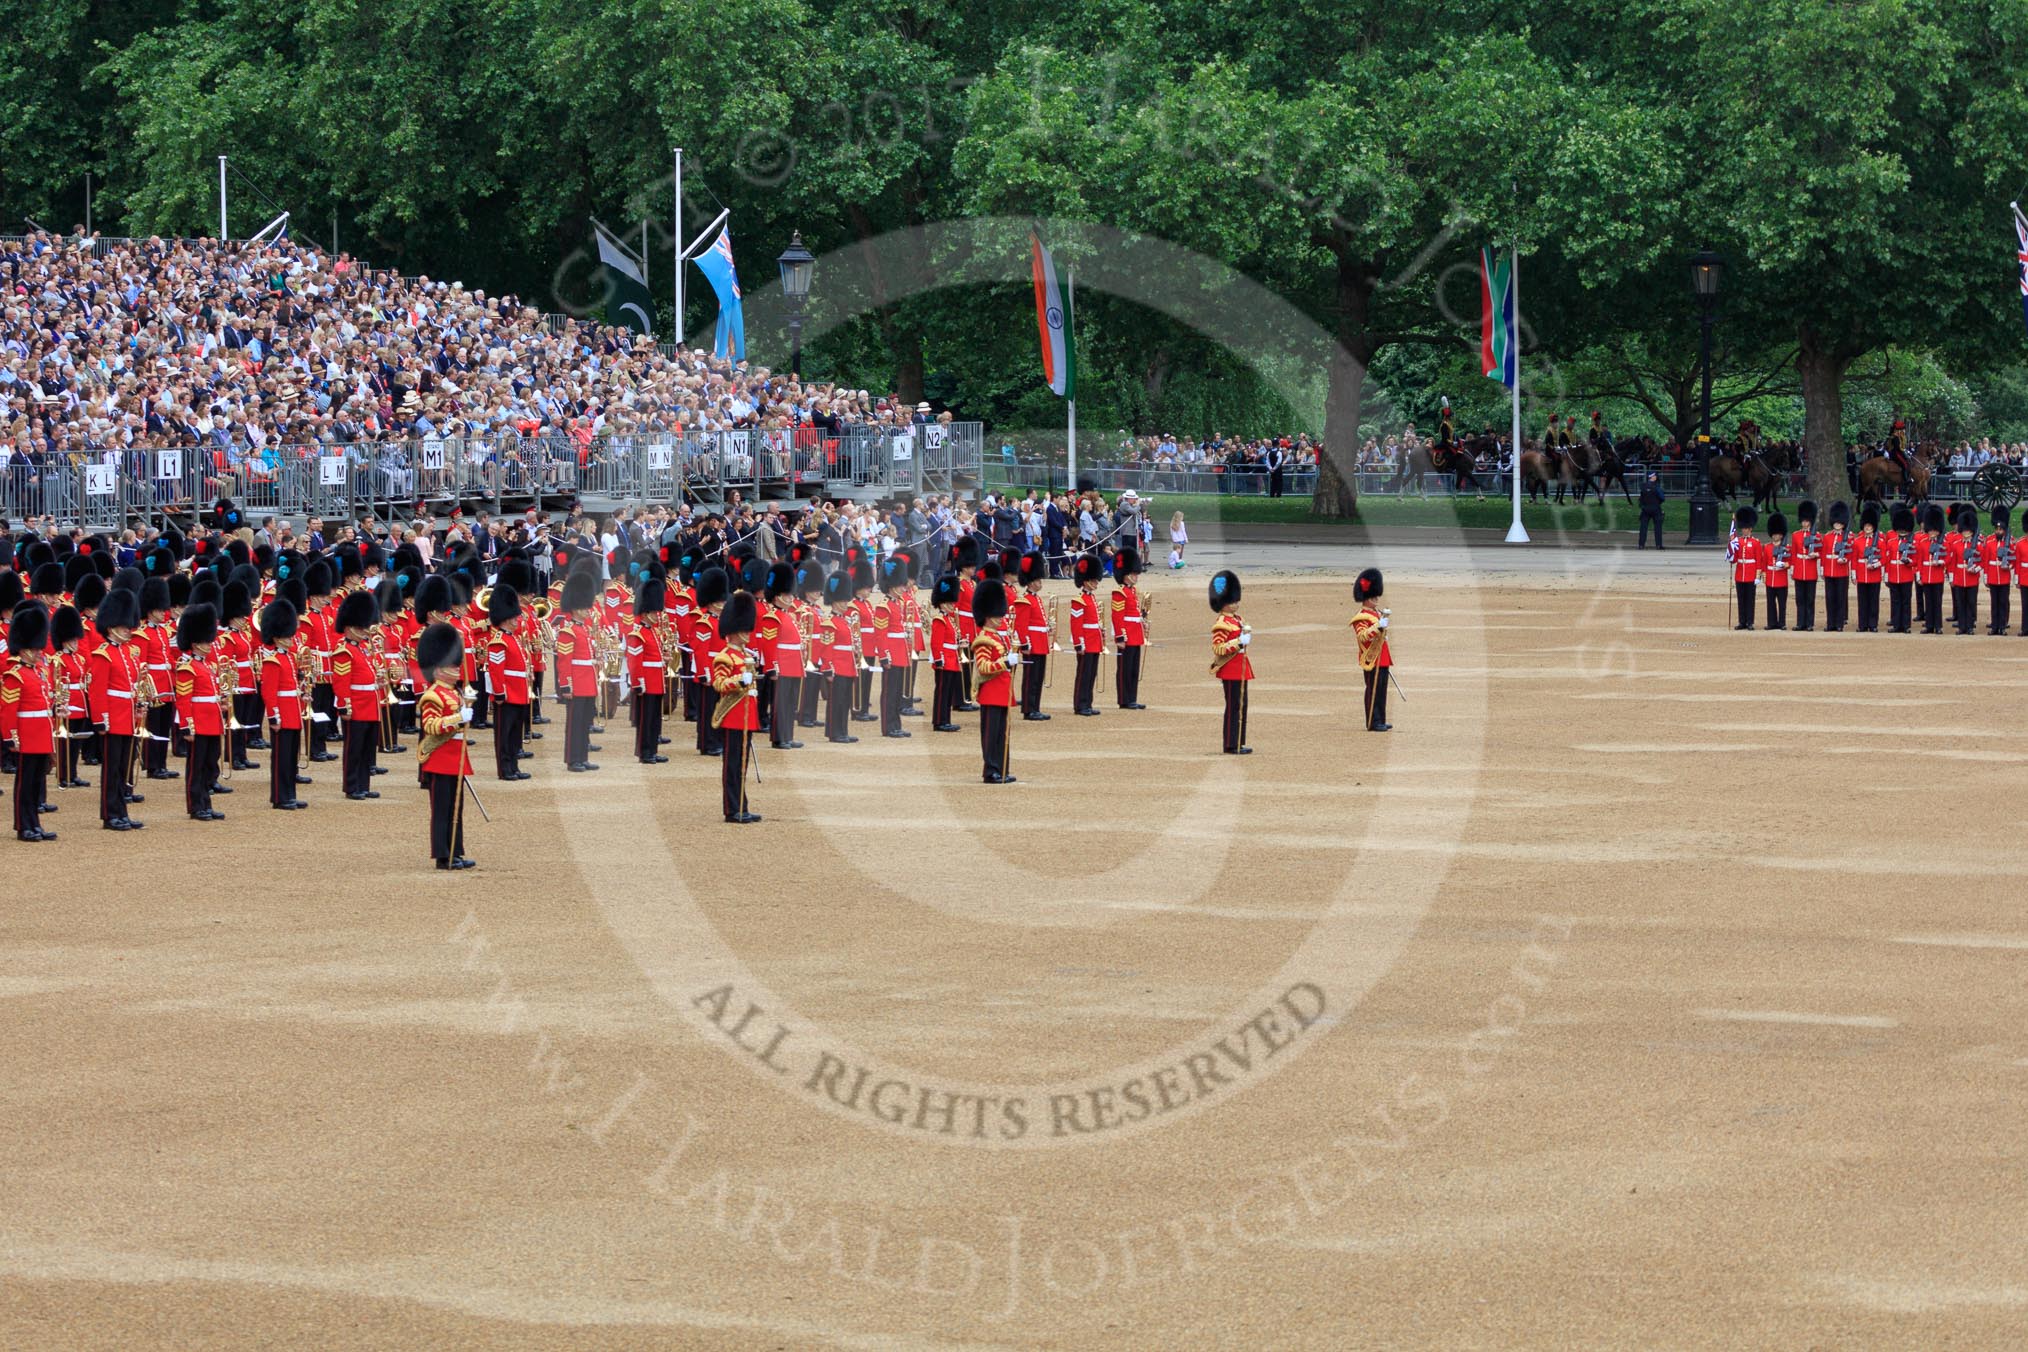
716	264
2021	255
1499	348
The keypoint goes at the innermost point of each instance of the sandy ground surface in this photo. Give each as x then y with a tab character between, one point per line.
1650	985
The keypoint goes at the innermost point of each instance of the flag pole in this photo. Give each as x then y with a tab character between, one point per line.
1517	534
678	246
221	199
1070	359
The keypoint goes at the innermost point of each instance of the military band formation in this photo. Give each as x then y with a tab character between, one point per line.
209	650
1914	560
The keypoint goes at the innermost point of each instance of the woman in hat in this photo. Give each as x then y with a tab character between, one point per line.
1376	659
27	721
1230	638
442	761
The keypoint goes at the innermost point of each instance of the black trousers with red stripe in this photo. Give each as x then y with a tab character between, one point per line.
31	784
944	696
447	817
510	723
282	758
1234	726
1087	680
782	722
116	772
1034	672
200	771
732	770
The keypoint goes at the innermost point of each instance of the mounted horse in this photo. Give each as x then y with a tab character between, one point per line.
1454	459
1544	471
1599	464
1746	466
1879	472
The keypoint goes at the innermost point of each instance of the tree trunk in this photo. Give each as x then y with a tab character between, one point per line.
908	365
1337	493
1822	367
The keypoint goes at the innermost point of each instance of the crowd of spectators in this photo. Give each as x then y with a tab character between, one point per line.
247	350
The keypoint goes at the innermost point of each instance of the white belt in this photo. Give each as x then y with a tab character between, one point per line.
153	667
655	665
288	694
204	699
244	666
520	674
369	686
891	634
33	713
119	694
1130	619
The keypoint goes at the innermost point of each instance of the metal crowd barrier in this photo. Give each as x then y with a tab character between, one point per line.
113	489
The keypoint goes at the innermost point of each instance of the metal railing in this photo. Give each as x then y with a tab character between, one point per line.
1678	480
109	490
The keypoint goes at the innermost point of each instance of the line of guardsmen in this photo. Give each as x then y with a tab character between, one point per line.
1914	559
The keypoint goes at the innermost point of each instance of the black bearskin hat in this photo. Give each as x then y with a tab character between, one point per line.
894	572
1933	519
1367	585
289	564
248	578
945	591
225	515
1777	524
433	596
753	573
1902	518
989	601
317	578
989	571
197	627
781	580
1031	568
278	621
372	558
155	596
712	586
127	579
1806	512
1745	518
46	580
1869	514
810	578
236	550
504	605
66	626
837	587
439	647
1010	563
234	603
1224	590
517	572
348	563
158	562
205	590
357	611
1126	563
293	591
90	592
740	615
652	598
1840	513
28	629
1087	568
76	569
12	593
966	554
1999	518
580	591
181	587
120	610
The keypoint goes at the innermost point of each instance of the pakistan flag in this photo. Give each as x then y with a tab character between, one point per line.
626	274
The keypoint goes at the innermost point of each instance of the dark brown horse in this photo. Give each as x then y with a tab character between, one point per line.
1600	464
1454	460
1879	473
1545	473
1731	470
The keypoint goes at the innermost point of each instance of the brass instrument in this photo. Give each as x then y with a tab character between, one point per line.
59	699
727	703
225	675
306	667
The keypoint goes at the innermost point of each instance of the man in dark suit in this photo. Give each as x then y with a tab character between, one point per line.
1052	537
1651	509
1276	457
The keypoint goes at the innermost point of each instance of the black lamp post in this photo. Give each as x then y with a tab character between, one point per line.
798	265
1707	270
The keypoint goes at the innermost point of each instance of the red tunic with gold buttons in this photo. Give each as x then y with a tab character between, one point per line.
1226	653
728	666
1744	552
943	641
647	668
25	716
507	668
197	697
281	695
439	711
993	682
113	672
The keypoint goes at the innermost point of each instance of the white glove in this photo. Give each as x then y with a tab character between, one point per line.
1383	621
465	716
1014	658
746	678
1245	639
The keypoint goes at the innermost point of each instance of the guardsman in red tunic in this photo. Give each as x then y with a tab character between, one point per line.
1775	565
840	638
577	666
1805	565
871	639
1929	568
442	762
648	669
890	640
197	704
1742	551
1961	556
355	682
1231	636
945	669
1996	551
316	634
1130	628
615	611
283	700
86	598
114	674
912	625
780	637
2019	559
735	686
713	586
682	601
1897	554
156	640
27	722
238	644
966	558
509	671
1032	627
996	656
1376	659
1087	631
65	673
1834	551
1868	567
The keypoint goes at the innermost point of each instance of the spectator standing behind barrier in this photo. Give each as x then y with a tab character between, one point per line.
1651	509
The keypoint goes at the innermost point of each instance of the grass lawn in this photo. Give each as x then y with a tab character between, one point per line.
1494	513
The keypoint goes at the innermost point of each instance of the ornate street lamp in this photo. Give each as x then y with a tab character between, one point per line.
1707	271
798	265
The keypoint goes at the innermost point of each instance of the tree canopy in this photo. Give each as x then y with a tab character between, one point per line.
1852	162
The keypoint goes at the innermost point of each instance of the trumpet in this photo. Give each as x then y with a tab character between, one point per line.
59	699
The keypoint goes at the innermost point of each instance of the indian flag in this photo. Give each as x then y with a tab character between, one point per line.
1052	320
1498	348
